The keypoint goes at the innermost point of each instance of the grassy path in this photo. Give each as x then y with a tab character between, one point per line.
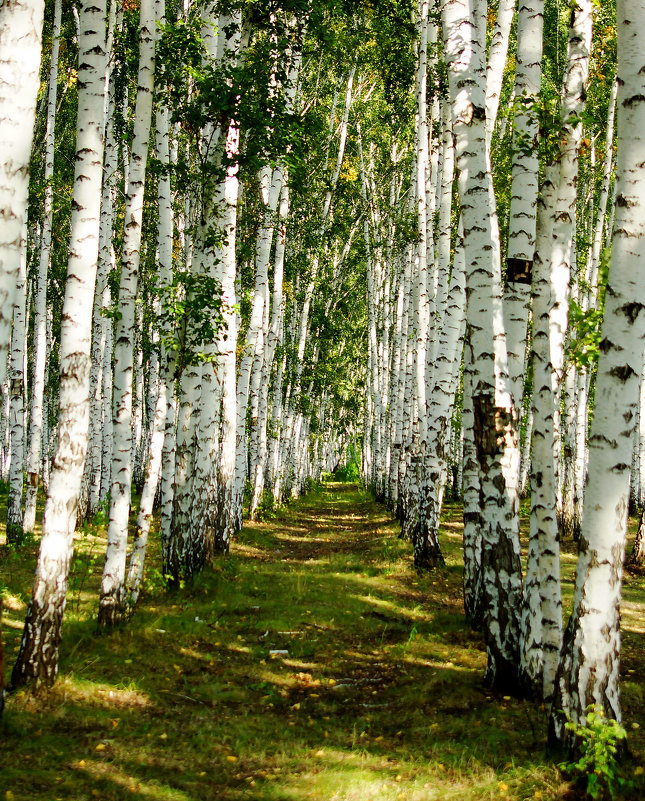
312	663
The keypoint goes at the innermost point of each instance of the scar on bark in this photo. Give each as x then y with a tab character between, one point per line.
493	425
519	271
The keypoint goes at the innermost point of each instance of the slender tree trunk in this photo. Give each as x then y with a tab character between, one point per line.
524	192
17	405
162	429
40	311
637	556
495	426
37	660
589	665
21	25
113	598
543	521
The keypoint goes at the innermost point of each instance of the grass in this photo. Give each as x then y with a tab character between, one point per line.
311	663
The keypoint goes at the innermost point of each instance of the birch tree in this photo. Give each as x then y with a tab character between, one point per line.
493	411
37	660
21	25
17	404
113	601
589	664
40	302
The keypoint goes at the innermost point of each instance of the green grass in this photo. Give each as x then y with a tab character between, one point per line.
377	698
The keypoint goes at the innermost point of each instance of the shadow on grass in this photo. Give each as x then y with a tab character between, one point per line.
314	666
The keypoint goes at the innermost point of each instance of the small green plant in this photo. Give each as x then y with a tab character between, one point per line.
268	508
598	747
413	636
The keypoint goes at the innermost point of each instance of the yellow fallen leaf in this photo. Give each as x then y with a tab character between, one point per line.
163	736
639	771
502	787
115	723
231	758
9	795
81	764
100	747
537	794
398	778
332	682
320	753
296	707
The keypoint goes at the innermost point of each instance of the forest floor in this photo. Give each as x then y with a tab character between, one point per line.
312	662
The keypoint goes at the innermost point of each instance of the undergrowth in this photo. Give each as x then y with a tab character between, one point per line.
312	662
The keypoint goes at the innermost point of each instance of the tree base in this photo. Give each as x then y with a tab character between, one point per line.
15	534
112	612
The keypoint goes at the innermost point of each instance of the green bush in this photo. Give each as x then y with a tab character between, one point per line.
598	745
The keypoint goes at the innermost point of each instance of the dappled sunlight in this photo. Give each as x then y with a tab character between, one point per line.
317	667
76	691
107	774
633	617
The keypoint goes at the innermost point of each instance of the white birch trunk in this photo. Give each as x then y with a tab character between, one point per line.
113	605
17	404
524	192
589	665
543	522
21	25
40	311
497	63
494	414
38	656
161	452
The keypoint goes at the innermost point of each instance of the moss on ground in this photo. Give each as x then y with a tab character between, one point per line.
310	663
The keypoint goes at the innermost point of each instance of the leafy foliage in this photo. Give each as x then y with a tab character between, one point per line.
598	739
584	346
191	316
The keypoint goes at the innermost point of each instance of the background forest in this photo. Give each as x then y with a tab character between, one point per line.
254	254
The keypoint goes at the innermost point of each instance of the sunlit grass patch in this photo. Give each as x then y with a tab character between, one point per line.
313	662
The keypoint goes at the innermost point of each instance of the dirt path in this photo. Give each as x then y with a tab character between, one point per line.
312	663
